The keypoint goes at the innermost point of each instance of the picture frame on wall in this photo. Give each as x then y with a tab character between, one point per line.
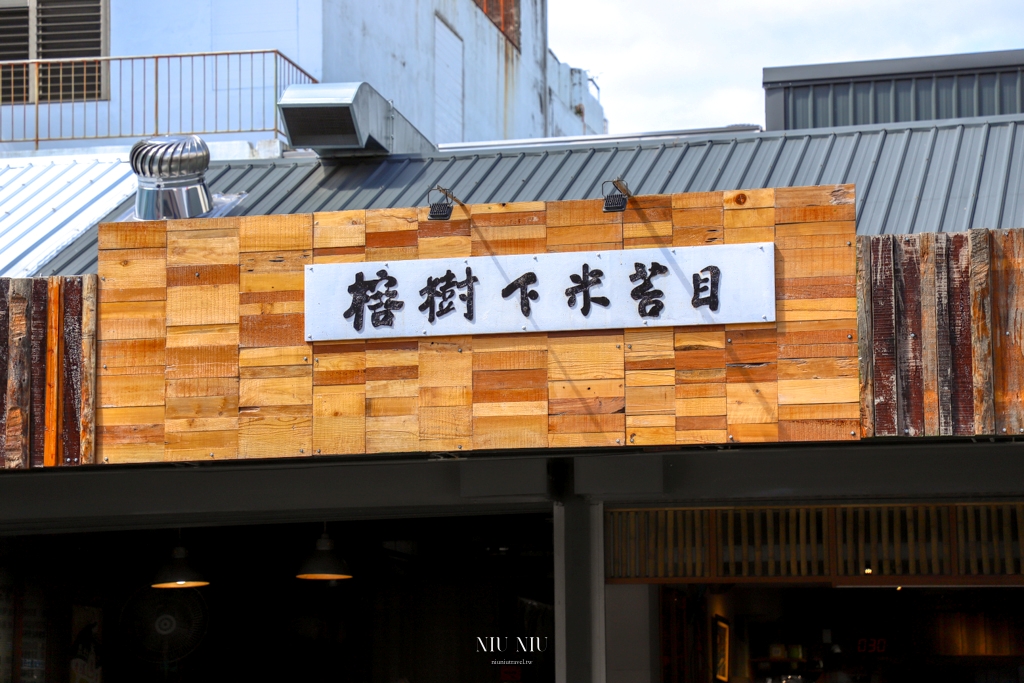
720	648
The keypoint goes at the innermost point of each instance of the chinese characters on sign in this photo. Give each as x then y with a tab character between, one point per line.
543	292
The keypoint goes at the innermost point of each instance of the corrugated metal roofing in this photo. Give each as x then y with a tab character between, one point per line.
910	177
46	203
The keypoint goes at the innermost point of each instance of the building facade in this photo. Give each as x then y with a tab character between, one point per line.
824	489
459	70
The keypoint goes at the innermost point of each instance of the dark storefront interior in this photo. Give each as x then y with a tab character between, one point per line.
812	634
423	591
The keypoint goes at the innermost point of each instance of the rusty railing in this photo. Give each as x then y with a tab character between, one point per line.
131	97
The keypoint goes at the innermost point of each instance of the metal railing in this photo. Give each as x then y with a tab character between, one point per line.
130	97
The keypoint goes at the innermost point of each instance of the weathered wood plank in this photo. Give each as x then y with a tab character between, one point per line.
943	345
5	287
962	394
70	450
1008	329
910	379
883	330
87	419
38	402
981	332
54	368
19	374
929	351
865	338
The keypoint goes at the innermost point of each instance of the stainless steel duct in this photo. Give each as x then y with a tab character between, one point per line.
172	177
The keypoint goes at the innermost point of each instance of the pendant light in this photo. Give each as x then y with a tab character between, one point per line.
324	564
178	573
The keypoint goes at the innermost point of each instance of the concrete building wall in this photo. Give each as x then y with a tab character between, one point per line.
390	44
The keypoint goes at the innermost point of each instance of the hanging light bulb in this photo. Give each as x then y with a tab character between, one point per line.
178	573
324	564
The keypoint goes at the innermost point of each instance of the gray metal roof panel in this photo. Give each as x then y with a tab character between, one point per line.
910	177
47	202
893	67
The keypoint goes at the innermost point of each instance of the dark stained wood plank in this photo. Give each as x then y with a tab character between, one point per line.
929	365
87	419
981	332
883	334
38	407
71	380
910	379
5	284
54	369
943	347
962	394
1008	329
19	373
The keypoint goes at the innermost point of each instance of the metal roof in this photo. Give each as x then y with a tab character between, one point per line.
1002	59
46	203
910	177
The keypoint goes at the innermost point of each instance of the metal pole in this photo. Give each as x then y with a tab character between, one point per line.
156	96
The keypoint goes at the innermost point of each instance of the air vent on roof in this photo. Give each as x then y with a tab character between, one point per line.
171	171
348	119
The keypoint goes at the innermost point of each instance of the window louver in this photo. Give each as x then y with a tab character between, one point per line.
14	45
69	29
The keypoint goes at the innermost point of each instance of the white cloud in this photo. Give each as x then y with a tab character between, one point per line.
667	64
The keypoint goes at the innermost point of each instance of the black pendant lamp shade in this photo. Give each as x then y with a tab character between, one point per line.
324	564
178	573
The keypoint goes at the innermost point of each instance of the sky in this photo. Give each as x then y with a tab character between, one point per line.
674	64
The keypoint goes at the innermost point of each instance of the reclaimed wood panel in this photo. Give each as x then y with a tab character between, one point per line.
649	363
54	360
929	335
909	364
87	410
1008	330
700	385
961	349
883	330
510	391
70	447
17	421
392	396
981	331
586	389
38	328
865	338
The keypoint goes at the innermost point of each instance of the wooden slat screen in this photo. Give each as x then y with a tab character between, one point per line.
651	544
772	542
989	539
893	540
930	544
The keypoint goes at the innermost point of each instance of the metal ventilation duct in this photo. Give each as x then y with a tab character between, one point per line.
172	182
348	119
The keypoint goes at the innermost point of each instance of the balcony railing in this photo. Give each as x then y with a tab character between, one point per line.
130	97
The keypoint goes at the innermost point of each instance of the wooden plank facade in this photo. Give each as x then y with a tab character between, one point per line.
202	356
189	344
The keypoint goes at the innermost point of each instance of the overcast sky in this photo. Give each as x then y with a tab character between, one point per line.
669	64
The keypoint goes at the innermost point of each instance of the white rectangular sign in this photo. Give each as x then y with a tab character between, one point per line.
591	290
